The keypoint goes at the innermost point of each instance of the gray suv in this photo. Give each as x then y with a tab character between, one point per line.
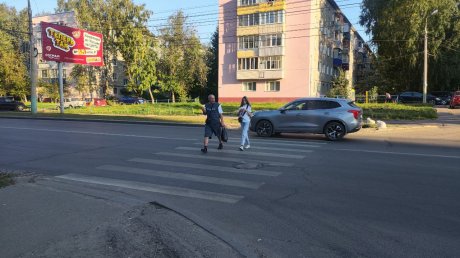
332	117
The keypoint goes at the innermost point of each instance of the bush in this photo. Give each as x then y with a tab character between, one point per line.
6	179
392	111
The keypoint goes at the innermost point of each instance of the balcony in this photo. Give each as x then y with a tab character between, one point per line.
338	62
248	53
261	6
259	74
261	29
272	51
338	44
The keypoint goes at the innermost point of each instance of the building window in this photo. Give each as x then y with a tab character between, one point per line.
125	82
248	42
249	86
272	86
115	76
114	62
270	63
115	91
248	20
247	2
273	40
45	74
272	17
248	63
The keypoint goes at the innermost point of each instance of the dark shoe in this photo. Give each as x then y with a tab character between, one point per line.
204	150
221	146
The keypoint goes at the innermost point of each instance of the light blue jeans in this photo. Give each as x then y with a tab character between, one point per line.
245	133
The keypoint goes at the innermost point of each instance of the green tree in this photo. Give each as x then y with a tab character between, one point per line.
122	23
143	71
182	65
397	29
212	61
13	58
340	86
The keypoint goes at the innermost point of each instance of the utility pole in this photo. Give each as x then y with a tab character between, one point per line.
425	63
32	70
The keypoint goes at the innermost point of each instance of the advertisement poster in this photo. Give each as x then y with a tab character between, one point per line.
70	45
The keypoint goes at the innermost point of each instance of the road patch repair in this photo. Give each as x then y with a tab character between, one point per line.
51	219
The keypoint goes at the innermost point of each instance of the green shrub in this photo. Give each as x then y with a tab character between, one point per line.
6	179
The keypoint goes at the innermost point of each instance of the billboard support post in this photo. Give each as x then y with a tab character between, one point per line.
61	88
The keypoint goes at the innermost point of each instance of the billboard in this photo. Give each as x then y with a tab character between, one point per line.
70	45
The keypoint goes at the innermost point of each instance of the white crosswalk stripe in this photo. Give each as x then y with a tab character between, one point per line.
169	190
193	164
219	158
282	142
266	148
263	154
183	176
206	167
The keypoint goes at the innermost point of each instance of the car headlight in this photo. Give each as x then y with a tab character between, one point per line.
438	99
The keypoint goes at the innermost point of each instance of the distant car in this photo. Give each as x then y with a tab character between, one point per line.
417	97
332	117
100	102
445	96
73	103
455	101
131	100
9	104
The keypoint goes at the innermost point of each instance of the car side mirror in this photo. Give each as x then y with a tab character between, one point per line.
282	110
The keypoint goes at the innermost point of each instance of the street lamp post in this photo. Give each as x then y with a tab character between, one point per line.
32	68
425	63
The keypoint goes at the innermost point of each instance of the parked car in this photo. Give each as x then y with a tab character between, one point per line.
445	96
131	100
417	97
332	117
455	101
73	103
8	103
100	102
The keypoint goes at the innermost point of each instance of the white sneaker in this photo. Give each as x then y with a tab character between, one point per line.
247	146
241	148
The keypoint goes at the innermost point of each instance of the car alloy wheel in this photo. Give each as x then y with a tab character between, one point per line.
264	128
20	108
334	131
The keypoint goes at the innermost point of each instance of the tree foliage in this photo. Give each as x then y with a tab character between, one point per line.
340	86
397	28
182	65
13	55
212	61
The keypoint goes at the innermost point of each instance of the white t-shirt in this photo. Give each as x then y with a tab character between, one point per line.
220	109
246	117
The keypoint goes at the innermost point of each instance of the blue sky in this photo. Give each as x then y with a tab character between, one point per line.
204	13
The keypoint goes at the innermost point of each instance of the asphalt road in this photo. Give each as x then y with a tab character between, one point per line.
388	194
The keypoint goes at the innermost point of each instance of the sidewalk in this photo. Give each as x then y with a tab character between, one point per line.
40	217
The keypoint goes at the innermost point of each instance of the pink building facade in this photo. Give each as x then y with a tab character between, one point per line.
281	50
278	68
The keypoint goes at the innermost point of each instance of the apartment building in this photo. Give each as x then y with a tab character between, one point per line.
279	50
48	71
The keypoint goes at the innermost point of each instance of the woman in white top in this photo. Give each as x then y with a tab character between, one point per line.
244	117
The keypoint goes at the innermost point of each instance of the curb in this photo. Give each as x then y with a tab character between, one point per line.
134	122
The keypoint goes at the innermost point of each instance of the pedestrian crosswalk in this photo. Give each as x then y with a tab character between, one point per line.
225	176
